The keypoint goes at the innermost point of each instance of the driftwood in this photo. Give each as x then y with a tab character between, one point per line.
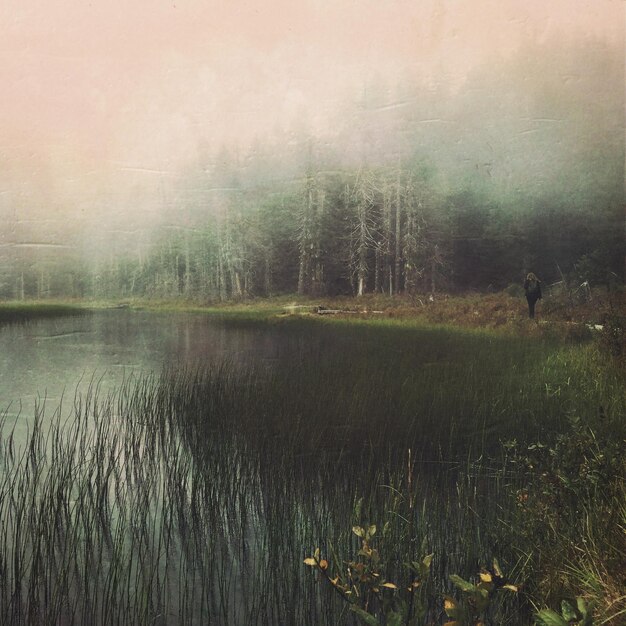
322	310
307	308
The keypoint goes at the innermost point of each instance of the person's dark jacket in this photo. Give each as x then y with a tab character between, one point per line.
532	289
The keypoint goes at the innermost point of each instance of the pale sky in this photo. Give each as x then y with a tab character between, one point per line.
99	97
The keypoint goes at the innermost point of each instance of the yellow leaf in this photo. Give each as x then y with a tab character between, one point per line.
510	588
390	586
310	561
324	564
335	580
486	577
449	603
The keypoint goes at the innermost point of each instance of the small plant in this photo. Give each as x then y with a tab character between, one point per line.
568	515
377	601
477	598
372	598
567	473
613	336
579	615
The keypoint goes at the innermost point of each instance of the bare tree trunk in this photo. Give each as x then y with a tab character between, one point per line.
318	266
386	267
398	259
377	270
433	272
362	267
221	287
221	269
305	243
176	276
237	284
268	276
187	283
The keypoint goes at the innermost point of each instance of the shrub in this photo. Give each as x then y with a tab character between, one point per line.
568	518
613	336
515	290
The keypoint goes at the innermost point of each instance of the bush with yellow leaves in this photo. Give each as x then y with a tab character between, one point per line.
372	598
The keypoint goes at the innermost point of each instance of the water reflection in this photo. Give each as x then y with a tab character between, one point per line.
45	361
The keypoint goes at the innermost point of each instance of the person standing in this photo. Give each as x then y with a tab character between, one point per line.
532	288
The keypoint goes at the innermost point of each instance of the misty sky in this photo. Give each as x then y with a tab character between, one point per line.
105	103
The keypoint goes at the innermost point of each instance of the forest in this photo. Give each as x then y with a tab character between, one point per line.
415	189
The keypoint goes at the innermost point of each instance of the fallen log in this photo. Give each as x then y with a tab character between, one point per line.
322	310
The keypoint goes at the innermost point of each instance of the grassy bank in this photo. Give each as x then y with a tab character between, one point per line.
558	314
193	497
20	312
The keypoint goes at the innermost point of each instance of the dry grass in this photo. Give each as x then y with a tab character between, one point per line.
556	311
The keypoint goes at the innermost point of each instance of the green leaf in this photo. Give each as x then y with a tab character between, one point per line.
548	617
357	509
481	599
496	569
358	531
371	531
364	616
426	562
586	611
568	611
394	619
463	585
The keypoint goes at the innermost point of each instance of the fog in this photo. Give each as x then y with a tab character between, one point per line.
119	119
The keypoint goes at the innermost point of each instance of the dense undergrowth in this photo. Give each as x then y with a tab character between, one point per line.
193	497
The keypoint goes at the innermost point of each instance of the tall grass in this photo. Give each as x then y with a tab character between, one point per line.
192	497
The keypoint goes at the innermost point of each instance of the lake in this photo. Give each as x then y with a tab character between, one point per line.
54	359
207	458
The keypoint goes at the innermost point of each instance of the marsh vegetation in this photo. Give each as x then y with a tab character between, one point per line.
191	496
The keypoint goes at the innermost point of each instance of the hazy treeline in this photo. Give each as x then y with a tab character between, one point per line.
416	187
385	230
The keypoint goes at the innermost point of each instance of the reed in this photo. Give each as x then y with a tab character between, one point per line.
191	497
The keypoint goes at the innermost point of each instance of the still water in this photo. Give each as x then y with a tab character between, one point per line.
196	502
44	364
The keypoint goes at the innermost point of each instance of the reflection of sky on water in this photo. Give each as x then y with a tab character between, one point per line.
51	360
